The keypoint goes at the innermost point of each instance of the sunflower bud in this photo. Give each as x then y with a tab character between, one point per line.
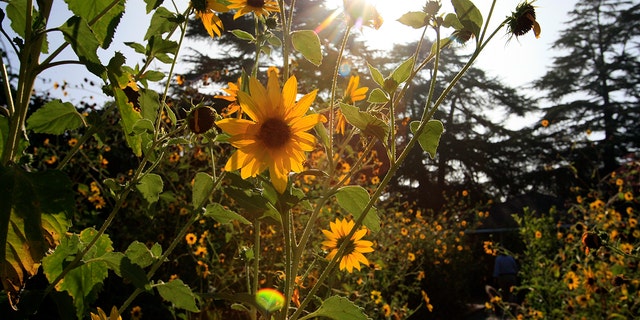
432	8
201	119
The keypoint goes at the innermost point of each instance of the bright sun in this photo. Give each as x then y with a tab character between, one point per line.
391	30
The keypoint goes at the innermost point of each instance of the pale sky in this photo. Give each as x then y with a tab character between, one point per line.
517	63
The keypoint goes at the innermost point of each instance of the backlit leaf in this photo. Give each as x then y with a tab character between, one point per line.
403	71
84	43
162	21
415	19
354	199
222	215
429	139
338	308
55	117
368	124
150	186
34	211
83	282
103	24
308	43
202	188
178	293
468	15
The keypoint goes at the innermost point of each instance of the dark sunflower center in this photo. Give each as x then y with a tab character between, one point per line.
274	133
256	3
351	246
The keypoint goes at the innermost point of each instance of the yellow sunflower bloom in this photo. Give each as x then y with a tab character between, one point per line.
353	254
260	8
233	106
206	11
275	136
351	95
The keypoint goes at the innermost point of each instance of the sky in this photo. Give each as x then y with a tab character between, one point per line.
517	62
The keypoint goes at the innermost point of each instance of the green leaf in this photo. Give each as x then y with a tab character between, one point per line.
367	123
84	282
132	271
150	186
202	188
152	4
159	48
414	19
338	308
105	26
243	35
163	21
153	75
443	44
142	126
469	15
308	43
55	117
17	13
430	136
34	211
403	71
224	216
354	199
129	116
451	20
139	48
376	75
378	95
77	33
178	293
140	254
149	104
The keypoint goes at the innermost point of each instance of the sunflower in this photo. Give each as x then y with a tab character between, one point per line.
572	280
206	11
233	106
260	8
275	136
353	255
351	95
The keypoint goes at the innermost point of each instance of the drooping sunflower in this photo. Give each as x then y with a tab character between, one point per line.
523	20
275	136
260	8
353	255
206	11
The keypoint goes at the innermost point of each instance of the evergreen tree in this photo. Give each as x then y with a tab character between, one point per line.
593	90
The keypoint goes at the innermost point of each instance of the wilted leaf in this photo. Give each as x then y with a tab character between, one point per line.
308	43
354	199
34	210
430	137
